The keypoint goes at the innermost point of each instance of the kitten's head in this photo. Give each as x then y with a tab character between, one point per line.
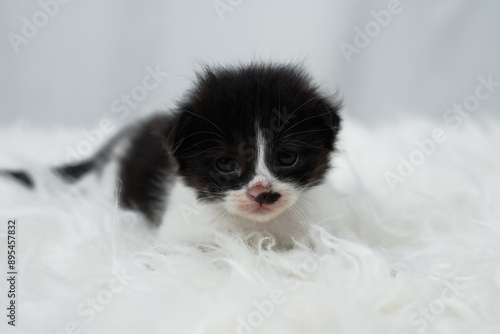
253	138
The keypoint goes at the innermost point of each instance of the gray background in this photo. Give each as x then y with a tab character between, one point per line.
91	52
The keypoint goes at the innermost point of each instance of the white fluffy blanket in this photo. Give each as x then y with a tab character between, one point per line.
422	258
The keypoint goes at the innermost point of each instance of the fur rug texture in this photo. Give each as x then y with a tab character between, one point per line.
420	257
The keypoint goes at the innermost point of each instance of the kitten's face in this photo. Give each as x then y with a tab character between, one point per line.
253	139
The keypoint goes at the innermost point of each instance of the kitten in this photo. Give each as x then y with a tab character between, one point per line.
248	140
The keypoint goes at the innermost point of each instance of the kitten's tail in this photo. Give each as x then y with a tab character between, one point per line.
74	171
20	176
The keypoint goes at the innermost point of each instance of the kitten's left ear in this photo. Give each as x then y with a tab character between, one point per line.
171	128
330	111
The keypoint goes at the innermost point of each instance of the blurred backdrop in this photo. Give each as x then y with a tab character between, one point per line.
76	62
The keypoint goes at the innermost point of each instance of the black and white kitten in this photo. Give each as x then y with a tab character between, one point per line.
247	140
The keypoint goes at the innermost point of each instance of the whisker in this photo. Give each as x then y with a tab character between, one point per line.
306	119
206	119
307	131
203	141
198	153
199	132
304	144
303	104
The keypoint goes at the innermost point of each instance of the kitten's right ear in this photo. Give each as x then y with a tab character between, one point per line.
171	128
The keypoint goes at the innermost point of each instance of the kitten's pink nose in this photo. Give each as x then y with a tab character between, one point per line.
263	195
257	190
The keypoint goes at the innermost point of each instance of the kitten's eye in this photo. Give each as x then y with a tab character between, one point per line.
226	165
286	159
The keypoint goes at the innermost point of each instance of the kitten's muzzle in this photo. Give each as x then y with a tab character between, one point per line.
263	195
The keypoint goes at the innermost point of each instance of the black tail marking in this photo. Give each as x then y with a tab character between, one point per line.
20	176
75	171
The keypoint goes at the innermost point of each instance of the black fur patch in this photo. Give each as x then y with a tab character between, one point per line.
145	170
19	176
